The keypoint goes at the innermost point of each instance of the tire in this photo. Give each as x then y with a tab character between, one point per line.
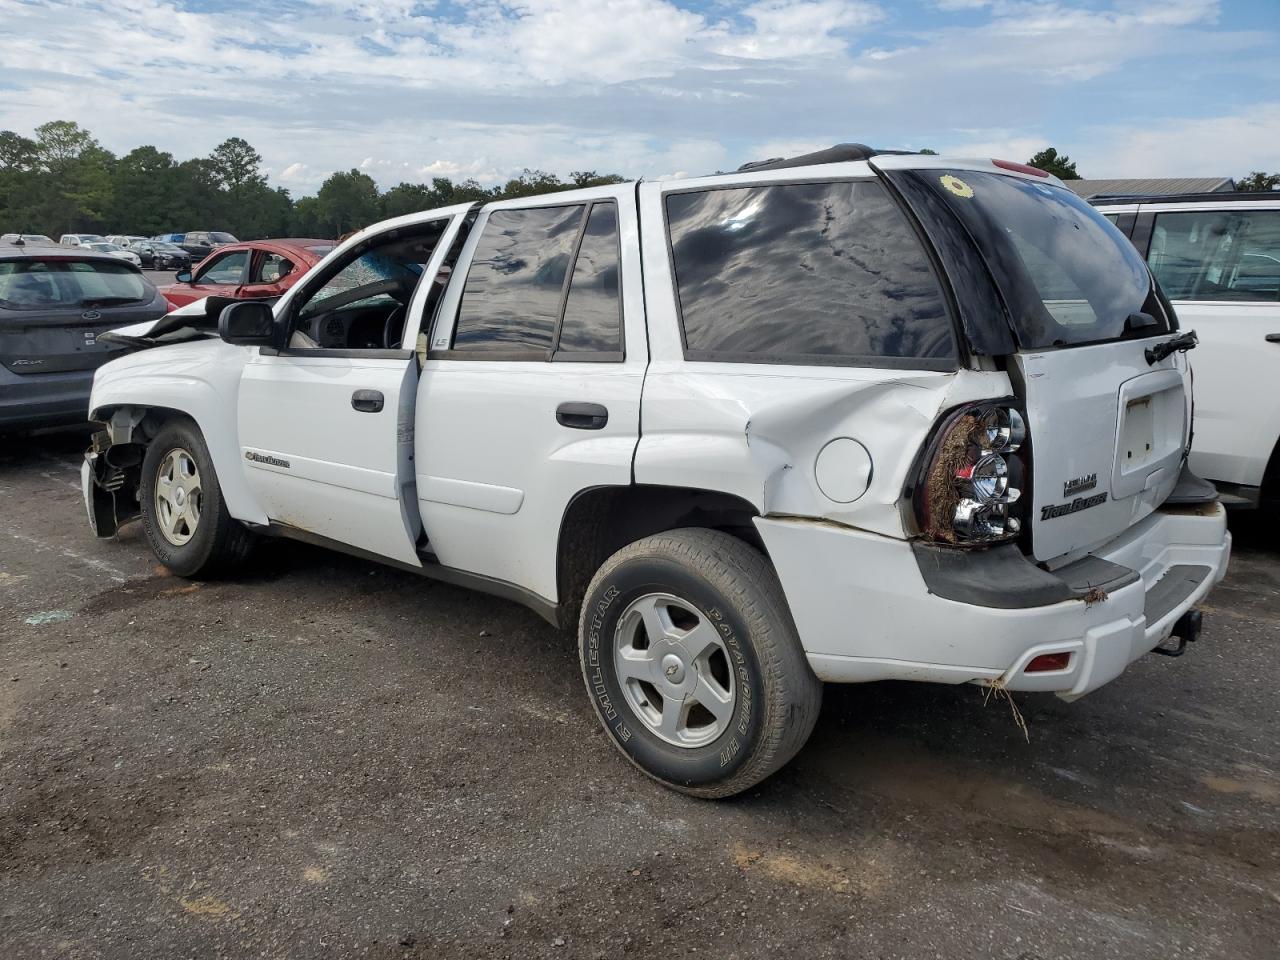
671	625
190	532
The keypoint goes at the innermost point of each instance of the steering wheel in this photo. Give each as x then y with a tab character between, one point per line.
391	337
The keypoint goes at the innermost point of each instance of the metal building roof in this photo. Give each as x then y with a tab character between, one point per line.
1149	186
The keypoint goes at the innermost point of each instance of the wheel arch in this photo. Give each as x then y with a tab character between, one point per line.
599	521
136	422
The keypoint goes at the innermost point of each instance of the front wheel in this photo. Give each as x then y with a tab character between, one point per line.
693	664
183	513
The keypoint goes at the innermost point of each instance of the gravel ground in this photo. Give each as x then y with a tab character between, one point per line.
325	758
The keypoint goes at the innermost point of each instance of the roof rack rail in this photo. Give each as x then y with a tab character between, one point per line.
840	153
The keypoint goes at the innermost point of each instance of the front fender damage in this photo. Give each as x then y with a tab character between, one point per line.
111	472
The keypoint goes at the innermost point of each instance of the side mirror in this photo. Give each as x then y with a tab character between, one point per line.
249	323
182	276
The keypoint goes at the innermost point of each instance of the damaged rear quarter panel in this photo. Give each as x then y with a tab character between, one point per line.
755	431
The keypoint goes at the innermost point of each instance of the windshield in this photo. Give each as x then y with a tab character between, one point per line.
104	247
35	284
222	238
1068	275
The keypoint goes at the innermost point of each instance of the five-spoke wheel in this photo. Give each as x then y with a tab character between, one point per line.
178	496
674	669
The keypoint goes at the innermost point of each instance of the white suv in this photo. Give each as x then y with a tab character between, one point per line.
1217	257
847	417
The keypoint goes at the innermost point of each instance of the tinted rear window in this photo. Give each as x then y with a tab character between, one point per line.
1068	275
812	272
37	284
512	296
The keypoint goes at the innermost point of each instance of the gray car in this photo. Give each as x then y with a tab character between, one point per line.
54	304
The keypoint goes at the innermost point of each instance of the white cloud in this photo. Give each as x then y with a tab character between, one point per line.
1230	145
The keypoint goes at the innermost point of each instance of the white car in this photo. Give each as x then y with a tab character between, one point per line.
80	239
847	417
1217	257
115	251
32	239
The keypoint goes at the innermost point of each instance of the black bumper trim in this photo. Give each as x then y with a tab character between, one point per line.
1003	578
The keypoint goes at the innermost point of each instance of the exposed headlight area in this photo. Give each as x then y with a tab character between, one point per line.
973	476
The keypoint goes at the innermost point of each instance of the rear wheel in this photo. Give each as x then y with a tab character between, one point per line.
183	513
692	662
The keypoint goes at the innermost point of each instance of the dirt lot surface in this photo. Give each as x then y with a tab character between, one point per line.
325	758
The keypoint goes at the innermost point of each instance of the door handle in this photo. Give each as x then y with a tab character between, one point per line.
1273	338
582	416
367	401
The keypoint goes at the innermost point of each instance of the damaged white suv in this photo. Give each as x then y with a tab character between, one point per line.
847	417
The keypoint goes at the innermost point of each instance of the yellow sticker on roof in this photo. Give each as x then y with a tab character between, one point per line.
957	186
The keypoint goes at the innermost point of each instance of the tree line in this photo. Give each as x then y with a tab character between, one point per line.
62	180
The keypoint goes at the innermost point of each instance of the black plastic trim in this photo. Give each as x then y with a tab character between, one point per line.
431	568
1003	578
1191	489
374	353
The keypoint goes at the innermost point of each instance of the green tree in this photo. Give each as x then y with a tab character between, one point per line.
531	183
589	178
1259	181
18	183
16	151
145	196
348	201
73	192
1050	161
409	198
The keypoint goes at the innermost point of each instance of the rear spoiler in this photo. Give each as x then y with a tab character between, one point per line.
190	322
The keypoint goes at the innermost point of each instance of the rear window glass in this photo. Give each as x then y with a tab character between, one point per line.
812	272
1068	275
36	284
1217	254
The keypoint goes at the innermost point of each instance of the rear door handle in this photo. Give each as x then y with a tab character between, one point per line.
367	401
1273	338
582	416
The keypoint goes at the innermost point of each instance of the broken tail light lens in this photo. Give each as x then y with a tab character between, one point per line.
972	478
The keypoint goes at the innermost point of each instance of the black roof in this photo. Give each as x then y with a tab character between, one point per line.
840	153
1224	196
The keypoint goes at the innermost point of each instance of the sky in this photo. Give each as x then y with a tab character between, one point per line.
411	89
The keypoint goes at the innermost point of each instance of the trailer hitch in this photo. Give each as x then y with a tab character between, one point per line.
1186	630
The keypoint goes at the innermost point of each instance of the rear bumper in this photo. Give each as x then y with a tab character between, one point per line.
865	611
44	400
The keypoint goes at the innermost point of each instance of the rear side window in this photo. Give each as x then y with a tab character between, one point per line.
514	287
811	272
1217	254
36	284
544	281
592	312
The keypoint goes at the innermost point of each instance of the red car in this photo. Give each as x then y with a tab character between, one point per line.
248	271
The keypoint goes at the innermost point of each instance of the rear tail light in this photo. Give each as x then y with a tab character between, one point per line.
973	476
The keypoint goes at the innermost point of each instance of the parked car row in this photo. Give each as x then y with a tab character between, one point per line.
176	251
843	417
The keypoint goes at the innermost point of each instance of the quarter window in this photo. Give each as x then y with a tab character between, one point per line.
817	272
271	268
515	285
1217	254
